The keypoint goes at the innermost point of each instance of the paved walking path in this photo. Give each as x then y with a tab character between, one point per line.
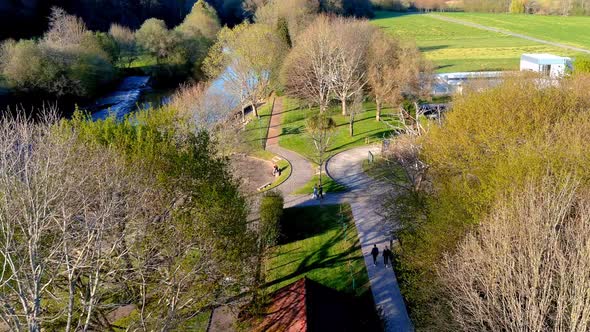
507	32
365	197
301	168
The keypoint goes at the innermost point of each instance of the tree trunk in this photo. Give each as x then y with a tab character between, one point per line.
255	109
351	128
343	106
378	112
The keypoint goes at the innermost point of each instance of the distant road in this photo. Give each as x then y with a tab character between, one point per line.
506	32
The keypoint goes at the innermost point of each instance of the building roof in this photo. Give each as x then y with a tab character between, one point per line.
545	59
307	306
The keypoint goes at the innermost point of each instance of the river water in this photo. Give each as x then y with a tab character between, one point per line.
135	92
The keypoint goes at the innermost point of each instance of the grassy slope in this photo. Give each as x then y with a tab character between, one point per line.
317	245
293	134
454	47
561	29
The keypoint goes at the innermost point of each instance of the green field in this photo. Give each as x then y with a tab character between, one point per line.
454	47
322	244
570	30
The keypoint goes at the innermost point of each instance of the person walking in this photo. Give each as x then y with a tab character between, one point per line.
321	191
375	253
315	192
386	256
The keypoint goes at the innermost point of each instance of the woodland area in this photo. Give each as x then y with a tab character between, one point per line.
28	18
493	210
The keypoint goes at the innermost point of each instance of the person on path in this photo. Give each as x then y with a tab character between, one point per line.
315	192
386	255
321	191
375	253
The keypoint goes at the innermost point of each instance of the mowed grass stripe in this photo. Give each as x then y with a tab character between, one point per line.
454	47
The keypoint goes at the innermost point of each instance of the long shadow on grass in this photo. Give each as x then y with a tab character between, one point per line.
432	48
302	223
352	143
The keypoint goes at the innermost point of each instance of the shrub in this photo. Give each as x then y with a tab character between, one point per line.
582	64
271	211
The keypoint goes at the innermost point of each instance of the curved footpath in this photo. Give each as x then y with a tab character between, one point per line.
365	197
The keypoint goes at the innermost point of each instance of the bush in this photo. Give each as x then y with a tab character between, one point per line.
582	64
271	211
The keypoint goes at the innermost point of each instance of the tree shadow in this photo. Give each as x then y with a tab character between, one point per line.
432	48
291	130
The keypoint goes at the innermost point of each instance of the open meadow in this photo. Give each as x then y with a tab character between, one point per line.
570	30
453	47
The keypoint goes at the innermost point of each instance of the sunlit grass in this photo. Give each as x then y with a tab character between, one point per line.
320	243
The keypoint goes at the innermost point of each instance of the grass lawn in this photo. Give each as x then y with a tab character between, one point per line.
254	135
455	47
561	29
330	186
294	137
322	244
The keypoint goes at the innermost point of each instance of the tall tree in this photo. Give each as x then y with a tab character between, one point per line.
247	59
306	73
155	38
394	70
202	21
348	69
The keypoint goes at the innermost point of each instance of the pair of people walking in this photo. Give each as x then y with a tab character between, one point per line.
318	192
387	255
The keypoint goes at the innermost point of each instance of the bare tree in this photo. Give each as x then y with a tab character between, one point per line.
395	71
348	72
525	268
321	129
204	107
307	70
30	182
64	29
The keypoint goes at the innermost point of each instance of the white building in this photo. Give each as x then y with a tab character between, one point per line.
547	64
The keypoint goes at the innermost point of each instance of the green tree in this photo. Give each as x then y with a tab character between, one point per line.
283	31
155	38
271	211
247	58
202	21
582	64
